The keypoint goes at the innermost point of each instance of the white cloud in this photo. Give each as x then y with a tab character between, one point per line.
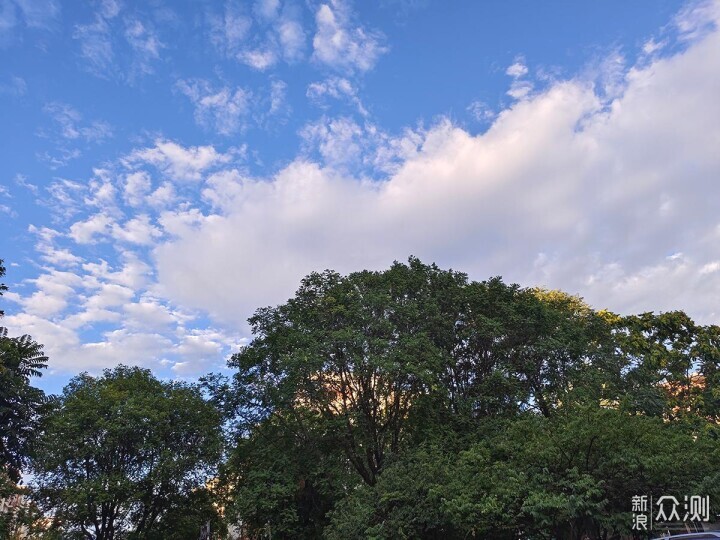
364	148
292	39
65	197
229	30
96	45
340	44
137	230
146	46
109	295
336	88
266	10
710	267
150	314
602	185
278	89
22	181
101	191
178	162
518	69
180	222
260	59
520	88
69	125
137	186
480	111
220	109
134	273
340	141
118	47
162	196
276	35
565	189
121	346
58	257
51	294
87	231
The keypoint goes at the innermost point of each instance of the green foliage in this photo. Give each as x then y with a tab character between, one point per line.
20	403
3	287
569	476
414	403
122	453
21	406
286	475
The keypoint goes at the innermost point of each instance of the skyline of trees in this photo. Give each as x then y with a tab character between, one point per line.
405	403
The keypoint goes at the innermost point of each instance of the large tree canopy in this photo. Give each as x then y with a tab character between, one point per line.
121	453
415	403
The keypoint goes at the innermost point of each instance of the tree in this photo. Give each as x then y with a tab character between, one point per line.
21	406
568	477
357	351
3	287
121	452
414	403
20	403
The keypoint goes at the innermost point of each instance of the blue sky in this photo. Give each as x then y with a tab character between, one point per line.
168	167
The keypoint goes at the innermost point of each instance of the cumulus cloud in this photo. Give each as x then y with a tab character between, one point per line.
603	184
342	45
137	186
138	230
145	330
87	231
178	162
568	188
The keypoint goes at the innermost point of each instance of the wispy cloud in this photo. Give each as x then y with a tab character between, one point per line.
15	87
341	44
261	36
480	111
220	109
32	14
335	88
70	125
118	45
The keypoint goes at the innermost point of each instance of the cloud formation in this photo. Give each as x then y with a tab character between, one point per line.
602	184
608	197
341	44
